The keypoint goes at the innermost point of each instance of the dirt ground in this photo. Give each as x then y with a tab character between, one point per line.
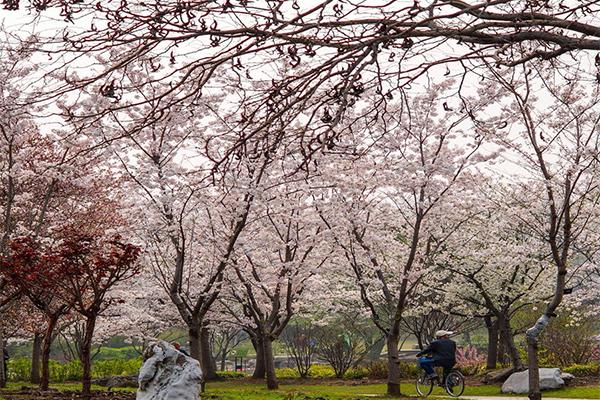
28	394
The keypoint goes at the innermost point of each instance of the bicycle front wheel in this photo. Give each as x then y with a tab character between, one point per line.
455	384
424	385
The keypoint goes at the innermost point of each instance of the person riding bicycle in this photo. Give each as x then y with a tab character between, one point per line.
442	353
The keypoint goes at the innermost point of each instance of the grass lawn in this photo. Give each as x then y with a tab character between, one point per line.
241	390
232	390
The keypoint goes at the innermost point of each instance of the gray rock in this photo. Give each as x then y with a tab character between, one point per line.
168	374
567	377
496	376
519	381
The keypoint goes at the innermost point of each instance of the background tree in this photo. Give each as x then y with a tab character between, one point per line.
300	339
342	348
562	153
224	340
277	262
495	265
392	201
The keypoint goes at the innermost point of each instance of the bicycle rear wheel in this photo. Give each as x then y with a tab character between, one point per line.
424	385
455	384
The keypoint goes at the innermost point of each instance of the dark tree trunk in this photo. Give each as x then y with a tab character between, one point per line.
534	373
502	359
533	333
259	371
86	356
420	342
269	362
36	356
509	342
223	360
3	377
207	361
194	341
46	347
492	348
393	383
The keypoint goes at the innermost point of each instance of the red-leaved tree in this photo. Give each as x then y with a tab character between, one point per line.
90	266
36	272
77	272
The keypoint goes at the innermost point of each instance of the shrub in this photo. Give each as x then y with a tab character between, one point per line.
341	347
301	344
570	339
231	374
357	373
118	367
111	353
286	373
19	369
471	370
321	371
409	370
70	371
378	370
469	361
592	369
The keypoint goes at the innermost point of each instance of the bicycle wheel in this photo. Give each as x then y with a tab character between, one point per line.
424	385
455	384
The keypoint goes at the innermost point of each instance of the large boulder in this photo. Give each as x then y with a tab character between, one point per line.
518	382
168	374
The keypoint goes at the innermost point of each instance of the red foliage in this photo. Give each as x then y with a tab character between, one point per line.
79	268
28	267
469	356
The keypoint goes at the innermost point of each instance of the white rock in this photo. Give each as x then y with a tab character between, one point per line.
168	374
519	381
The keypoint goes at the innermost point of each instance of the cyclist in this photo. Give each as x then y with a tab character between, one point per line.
442	353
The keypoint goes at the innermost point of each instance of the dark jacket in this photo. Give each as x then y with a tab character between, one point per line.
443	351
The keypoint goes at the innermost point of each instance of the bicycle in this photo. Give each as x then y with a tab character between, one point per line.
454	384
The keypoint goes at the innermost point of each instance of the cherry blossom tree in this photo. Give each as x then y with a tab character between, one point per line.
496	264
394	202
424	319
191	237
349	45
33	329
30	168
144	312
559	146
279	259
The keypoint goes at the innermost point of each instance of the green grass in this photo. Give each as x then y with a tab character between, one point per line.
240	390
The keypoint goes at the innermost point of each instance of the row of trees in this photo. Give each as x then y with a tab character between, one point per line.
315	160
